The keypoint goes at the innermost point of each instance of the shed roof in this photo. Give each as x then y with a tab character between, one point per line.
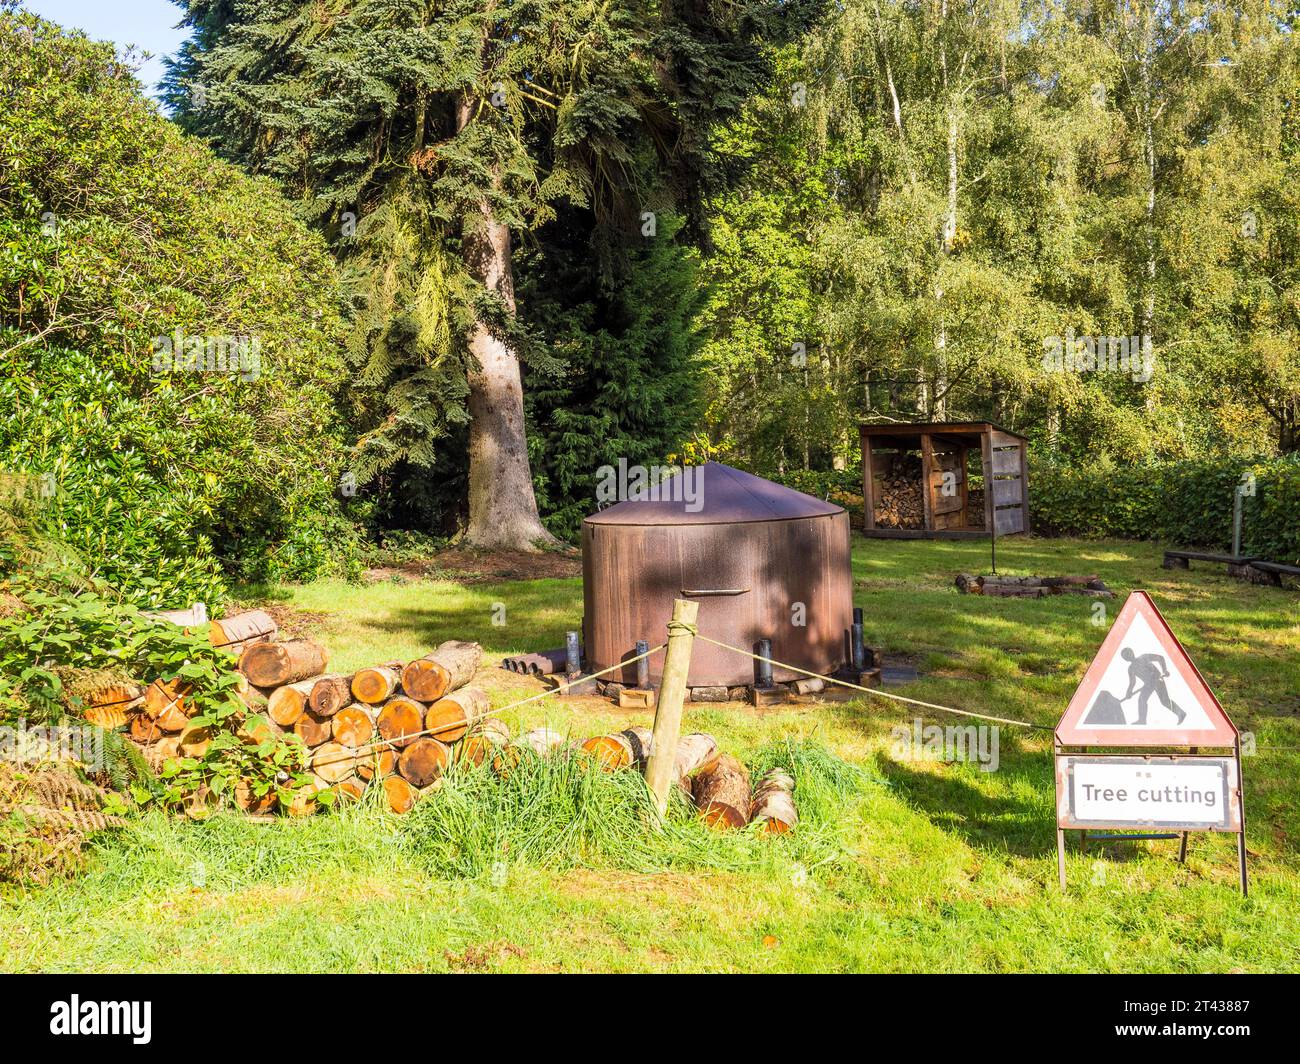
916	428
713	494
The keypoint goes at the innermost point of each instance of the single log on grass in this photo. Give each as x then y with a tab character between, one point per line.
773	803
695	752
722	793
451	666
287	704
329	694
423	762
485	739
381	761
400	720
401	795
353	726
333	762
449	718
277	664
376	685
1070	581
1013	591
628	748
236	633
311	729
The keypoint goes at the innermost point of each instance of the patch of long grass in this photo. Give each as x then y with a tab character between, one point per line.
562	812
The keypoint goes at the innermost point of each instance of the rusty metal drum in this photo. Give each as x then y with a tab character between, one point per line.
763	561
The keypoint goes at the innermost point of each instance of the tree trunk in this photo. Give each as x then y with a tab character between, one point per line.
371	761
311	729
333	763
502	506
374	686
630	747
695	752
353	725
400	794
160	696
237	632
1148	316
487	737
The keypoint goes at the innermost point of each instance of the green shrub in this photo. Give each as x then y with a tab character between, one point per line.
50	636
117	231
1183	503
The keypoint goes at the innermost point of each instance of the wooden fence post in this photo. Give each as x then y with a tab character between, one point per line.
668	710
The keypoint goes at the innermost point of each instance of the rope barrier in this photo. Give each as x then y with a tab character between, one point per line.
875	691
683	626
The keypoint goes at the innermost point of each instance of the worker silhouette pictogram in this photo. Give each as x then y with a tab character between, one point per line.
1151	671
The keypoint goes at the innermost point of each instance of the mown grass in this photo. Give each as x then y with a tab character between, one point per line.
898	866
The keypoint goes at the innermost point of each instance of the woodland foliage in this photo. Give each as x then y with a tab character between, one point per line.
170	337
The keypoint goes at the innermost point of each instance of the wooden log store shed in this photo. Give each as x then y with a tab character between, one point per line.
917	480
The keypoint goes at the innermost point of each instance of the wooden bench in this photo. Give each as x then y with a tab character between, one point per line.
1274	571
1180	559
1255	570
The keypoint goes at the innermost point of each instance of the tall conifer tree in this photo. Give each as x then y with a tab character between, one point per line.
444	130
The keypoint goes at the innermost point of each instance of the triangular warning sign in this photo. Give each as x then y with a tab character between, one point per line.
1143	690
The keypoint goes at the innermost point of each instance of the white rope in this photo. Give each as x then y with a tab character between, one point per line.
875	691
406	737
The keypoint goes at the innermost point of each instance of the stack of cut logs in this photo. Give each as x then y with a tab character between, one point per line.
395	724
1032	586
898	493
399	726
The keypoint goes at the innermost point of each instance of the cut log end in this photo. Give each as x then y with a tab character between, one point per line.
375	685
400	721
423	762
722	793
401	796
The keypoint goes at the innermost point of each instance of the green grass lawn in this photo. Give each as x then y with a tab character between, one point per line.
912	866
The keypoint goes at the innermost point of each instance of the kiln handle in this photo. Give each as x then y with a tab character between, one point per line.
716	591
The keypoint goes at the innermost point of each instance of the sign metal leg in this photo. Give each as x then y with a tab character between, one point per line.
1241	835
1060	855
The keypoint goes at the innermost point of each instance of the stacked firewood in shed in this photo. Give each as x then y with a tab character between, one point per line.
897	491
